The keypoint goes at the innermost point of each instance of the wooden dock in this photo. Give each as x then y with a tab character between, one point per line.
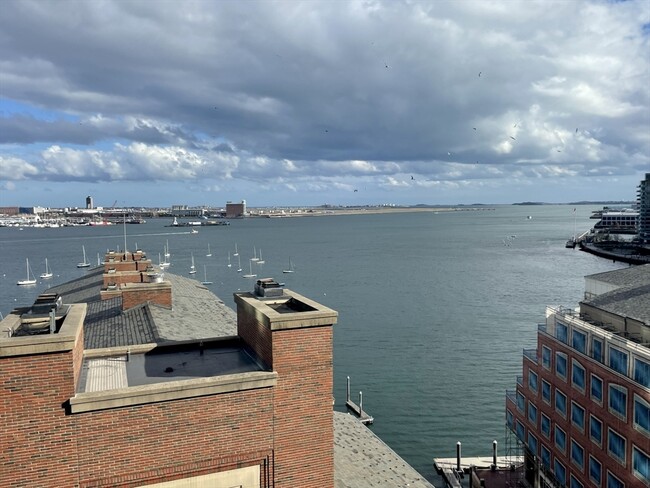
364	417
484	462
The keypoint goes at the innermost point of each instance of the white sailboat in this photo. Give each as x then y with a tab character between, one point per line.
205	277
229	263
238	263
290	270
260	260
48	272
209	252
250	274
84	263
236	253
255	258
192	268
167	249
99	263
30	280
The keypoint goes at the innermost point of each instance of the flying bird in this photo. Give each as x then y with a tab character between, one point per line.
474	128
448	153
479	74
412	177
355	190
576	130
513	138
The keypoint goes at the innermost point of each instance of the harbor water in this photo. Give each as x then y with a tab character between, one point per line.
434	307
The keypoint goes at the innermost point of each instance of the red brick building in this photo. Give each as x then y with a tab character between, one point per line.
582	406
102	394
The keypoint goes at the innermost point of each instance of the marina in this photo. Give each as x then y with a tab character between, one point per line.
387	275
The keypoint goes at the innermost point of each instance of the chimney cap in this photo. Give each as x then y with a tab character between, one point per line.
268	287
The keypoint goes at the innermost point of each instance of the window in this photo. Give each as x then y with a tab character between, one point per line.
546	392
575	483
642	372
596	389
641	464
532	413
560	364
520	431
521	402
510	419
618	360
577	455
596	430
616	445
578	375
546	426
546	456
595	470
561	332
618	401
597	349
613	481
546	357
560	472
560	402
560	439
641	415
532	381
532	443
579	341
578	416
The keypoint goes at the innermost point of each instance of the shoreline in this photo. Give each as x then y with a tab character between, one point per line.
320	212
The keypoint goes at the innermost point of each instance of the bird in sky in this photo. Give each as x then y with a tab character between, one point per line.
474	128
513	138
355	190
576	130
479	74
412	177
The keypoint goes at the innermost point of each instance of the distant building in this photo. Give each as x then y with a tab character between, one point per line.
581	409
236	210
643	200
89	202
185	211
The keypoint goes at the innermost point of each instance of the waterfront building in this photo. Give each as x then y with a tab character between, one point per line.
581	409
643	200
236	210
128	377
89	202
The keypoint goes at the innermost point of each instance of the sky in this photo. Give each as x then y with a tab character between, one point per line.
296	103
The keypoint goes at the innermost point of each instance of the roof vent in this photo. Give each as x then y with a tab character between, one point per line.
268	287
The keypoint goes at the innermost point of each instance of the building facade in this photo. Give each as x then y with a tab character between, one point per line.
581	409
96	395
643	200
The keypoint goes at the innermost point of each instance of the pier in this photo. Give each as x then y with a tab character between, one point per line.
357	409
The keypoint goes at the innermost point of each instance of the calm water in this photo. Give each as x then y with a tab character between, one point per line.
434	308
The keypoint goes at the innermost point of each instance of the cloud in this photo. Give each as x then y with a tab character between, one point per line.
316	96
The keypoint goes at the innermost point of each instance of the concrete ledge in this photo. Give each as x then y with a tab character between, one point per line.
264	312
172	390
63	340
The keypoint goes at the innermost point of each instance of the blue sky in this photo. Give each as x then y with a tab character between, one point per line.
306	103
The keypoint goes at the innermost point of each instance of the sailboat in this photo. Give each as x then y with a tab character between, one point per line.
229	263
250	274
205	277
48	272
260	260
255	258
167	249
290	270
192	268
209	252
238	263
30	280
236	253
84	263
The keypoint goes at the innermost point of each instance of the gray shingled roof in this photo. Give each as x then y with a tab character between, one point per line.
630	276
631	298
196	313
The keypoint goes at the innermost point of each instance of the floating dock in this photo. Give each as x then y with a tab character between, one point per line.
357	409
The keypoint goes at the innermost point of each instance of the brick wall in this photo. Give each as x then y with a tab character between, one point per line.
129	446
37	445
159	293
304	436
256	335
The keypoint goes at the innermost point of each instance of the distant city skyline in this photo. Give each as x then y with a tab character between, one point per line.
312	103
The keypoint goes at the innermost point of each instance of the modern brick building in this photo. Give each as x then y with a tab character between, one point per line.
643	200
126	384
581	409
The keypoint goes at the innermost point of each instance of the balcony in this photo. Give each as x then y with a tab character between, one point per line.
520	381
531	354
